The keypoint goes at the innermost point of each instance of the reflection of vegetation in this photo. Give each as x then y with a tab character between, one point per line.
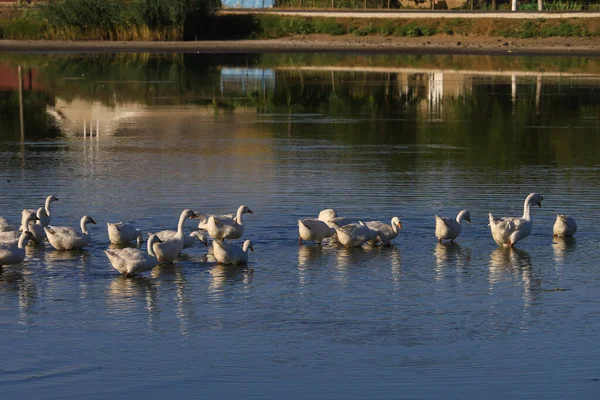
38	124
502	126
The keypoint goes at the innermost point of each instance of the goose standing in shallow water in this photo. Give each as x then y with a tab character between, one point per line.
130	261
355	235
447	228
330	217
123	233
229	253
66	238
47	218
188	240
564	226
388	232
314	230
169	248
13	237
508	231
224	226
14	253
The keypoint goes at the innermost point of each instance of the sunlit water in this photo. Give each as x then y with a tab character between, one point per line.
139	138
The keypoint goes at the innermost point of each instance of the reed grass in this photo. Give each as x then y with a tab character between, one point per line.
147	20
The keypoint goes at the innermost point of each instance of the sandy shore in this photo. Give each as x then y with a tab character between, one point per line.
324	43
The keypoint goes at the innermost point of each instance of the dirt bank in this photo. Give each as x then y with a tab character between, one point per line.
454	44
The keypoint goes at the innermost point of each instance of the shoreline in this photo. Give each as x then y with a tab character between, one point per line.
456	44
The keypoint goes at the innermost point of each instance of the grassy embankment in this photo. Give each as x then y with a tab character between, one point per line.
194	20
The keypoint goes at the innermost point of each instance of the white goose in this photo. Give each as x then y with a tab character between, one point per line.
229	253
188	240
509	230
35	226
129	261
564	226
388	232
447	228
314	230
170	247
13	237
224	226
14	253
355	235
122	233
45	221
66	238
6	226
330	217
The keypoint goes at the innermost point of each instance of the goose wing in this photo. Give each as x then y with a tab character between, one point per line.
569	221
381	227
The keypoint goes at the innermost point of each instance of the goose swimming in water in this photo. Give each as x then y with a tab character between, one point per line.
14	253
225	226
314	230
129	261
47	218
389	232
229	253
564	226
122	233
67	238
357	234
170	247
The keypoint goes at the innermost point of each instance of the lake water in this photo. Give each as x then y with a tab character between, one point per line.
139	137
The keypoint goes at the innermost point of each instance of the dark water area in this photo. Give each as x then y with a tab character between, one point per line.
140	137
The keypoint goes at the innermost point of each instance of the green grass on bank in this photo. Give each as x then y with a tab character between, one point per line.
150	20
271	26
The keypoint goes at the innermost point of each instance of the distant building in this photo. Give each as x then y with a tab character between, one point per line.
247	3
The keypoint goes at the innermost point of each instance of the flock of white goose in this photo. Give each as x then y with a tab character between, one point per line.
165	246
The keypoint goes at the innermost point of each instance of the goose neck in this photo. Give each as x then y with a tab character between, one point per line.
83	226
47	205
23	240
238	216
151	246
527	208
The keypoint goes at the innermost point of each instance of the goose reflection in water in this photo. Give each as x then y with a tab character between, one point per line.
449	254
517	263
227	275
19	282
561	247
308	256
124	294
169	276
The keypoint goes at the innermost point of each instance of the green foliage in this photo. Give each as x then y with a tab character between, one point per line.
413	30
329	26
364	31
109	19
532	29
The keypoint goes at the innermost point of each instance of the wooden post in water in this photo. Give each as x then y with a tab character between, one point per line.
21	118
